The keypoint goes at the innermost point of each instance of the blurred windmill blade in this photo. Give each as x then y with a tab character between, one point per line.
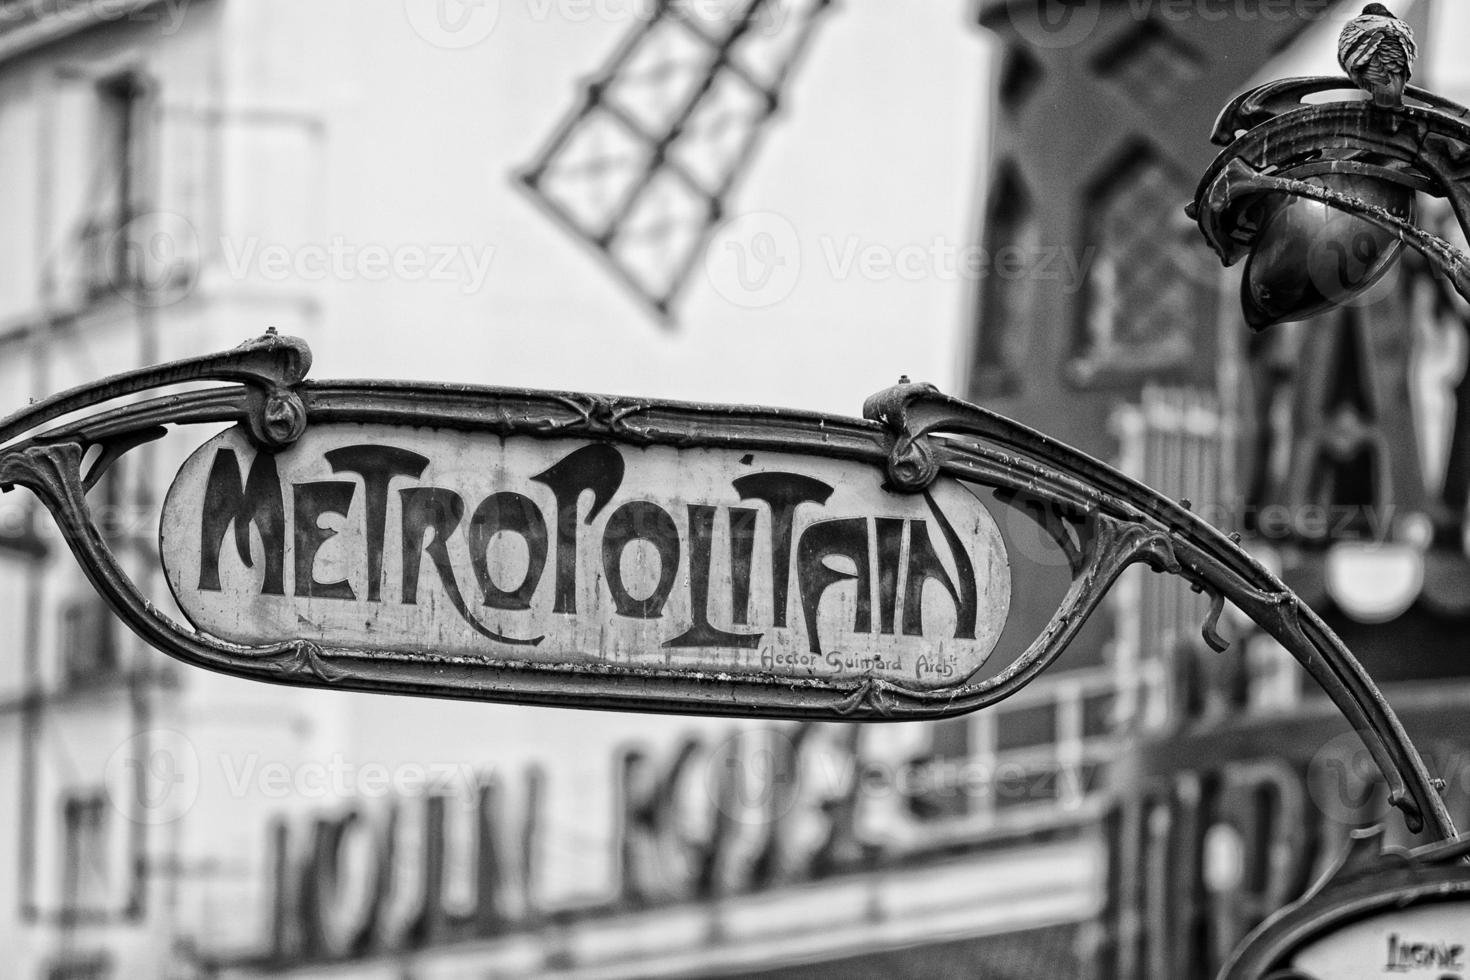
643	167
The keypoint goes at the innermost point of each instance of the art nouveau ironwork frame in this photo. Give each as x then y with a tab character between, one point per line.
911	432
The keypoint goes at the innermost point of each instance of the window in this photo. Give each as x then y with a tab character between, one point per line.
19	535
1439	389
88	642
1046	748
1275	676
1012	241
1148	289
1150	63
1323	453
1026	728
96	966
1020	75
1177	440
106	258
1345	452
84	885
18	576
1052	751
950	745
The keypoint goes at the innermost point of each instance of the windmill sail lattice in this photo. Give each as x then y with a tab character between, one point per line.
642	168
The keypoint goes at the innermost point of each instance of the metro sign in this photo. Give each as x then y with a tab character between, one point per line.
480	548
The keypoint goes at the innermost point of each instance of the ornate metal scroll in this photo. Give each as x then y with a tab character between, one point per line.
913	437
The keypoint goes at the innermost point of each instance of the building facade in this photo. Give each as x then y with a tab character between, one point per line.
1330	443
115	121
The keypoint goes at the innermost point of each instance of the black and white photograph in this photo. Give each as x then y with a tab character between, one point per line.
745	489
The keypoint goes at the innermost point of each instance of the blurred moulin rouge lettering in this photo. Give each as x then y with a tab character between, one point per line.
602	535
321	911
432	515
707	819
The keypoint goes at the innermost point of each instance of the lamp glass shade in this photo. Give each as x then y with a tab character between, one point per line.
1310	257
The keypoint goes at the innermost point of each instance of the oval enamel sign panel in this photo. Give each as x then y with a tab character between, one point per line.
1431	942
573	551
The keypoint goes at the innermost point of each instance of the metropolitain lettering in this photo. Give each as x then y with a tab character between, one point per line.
478	548
887	556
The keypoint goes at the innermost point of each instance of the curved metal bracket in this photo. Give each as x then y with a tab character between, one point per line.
270	365
1183	544
53	473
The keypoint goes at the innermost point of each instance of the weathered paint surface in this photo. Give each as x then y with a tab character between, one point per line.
573	551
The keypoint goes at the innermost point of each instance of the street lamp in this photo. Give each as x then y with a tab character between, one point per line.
1319	198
